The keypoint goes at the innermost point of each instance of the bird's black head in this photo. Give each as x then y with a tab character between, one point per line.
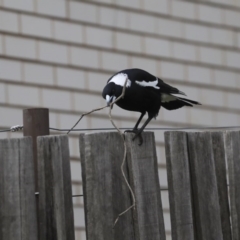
109	93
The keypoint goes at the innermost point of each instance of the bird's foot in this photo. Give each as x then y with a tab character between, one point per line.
137	135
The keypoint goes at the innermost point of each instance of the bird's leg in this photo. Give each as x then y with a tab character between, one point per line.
138	133
135	129
139	120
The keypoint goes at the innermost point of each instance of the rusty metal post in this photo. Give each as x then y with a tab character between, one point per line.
35	123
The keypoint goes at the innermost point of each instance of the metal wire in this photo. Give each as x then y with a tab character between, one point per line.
5	130
112	129
80	195
14	128
155	129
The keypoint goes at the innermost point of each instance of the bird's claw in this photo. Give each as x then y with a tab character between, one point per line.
131	131
137	134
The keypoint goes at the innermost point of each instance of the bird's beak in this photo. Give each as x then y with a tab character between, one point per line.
109	99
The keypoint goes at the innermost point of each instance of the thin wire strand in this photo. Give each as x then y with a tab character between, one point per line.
5	130
126	128
79	195
154	129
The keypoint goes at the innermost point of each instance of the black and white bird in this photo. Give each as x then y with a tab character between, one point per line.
144	93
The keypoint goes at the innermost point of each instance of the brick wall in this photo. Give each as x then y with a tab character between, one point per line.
59	54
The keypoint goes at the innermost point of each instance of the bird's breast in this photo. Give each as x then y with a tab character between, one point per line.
140	99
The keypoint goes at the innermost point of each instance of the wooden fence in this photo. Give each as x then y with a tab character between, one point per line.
197	165
106	194
20	217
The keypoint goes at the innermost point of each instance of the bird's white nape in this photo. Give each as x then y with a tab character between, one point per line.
120	78
148	84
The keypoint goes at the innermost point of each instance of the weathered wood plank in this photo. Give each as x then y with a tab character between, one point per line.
17	196
143	172
55	192
105	192
221	175
233	160
179	185
204	186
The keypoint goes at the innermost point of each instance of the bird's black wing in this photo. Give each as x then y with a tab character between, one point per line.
165	88
147	80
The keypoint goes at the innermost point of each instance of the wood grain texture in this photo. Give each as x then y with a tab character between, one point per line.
233	160
17	196
204	186
221	175
143	172
55	192
105	192
179	185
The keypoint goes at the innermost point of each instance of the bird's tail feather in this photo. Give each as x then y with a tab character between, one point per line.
182	93
178	103
189	101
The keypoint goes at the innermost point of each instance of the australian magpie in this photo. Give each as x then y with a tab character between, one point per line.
144	93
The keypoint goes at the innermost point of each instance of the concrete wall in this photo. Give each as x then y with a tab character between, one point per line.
59	54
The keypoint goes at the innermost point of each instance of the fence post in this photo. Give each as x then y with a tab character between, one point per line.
17	196
198	185
143	173
106	194
179	185
204	186
219	149
55	197
35	123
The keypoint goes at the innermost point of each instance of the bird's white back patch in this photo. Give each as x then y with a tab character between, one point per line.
120	79
167	97
148	84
